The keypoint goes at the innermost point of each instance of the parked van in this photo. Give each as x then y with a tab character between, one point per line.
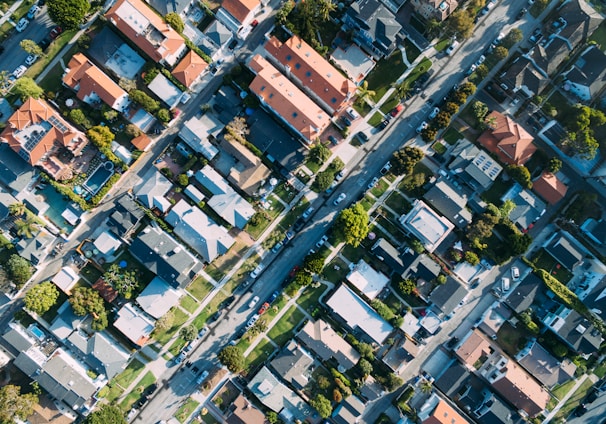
505	284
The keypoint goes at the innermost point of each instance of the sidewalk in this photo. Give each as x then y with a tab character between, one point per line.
7	16
572	391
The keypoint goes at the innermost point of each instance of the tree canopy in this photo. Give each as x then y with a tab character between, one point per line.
31	47
313	263
189	332
321	404
124	281
19	269
461	23
405	159
14	405
68	14
25	87
554	165
85	300
319	153
100	135
521	174
233	358
144	100
352	224
106	414
175	21
41	297
323	180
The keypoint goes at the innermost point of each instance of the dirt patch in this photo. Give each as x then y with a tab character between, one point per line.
212	380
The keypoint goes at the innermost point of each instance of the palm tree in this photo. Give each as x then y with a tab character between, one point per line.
364	94
26	227
426	387
324	7
402	89
17	209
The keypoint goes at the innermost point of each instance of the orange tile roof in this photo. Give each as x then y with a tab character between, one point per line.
91	79
313	71
146	29
473	348
550	188
141	142
445	414
508	140
286	100
240	9
189	69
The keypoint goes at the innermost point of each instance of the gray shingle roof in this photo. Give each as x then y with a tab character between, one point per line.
448	295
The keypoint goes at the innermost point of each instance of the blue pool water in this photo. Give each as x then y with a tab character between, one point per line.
98	178
39	334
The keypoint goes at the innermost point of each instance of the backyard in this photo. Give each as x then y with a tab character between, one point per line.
510	338
543	260
387	71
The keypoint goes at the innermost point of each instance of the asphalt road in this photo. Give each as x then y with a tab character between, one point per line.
596	412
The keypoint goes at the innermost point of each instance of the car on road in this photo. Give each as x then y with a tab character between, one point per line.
254	24
362	136
450	50
253	302
515	273
505	284
233	44
592	396
322	240
55	32
180	358
263	308
288	236
372	183
33	12
202	377
150	390
385	168
273	297
471	69
521	14
227	302
434	112
18	73
299	224
29	60
44	43
480	60
21	25
333	139
202	332
339	199
421	127
341	174
396	110
255	272
580	410
277	247
308	212
383	125
293	271
332	187
214	317
252	321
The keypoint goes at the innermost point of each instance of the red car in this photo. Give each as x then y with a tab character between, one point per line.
254	24
293	271
55	32
396	110
263	308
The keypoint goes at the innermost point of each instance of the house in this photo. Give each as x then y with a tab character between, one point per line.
367	280
574	330
528	207
197	133
141	142
548	58
424	271
543	366
354	62
588	75
523	76
38	134
326	343
164	7
15	174
107	244
595	300
165	90
493	319
279	398
524	294
236	14
151	190
148	31
242	411
194	194
436	410
434	9
165	257
109	50
549	187
357	314
92	85
388	254
581	21
401	352
447	297
246	170
474	166
507	139
158	297
135	324
66	279
37	248
348	411
449	201
219	36
125	217
189	69
225	201
294	365
595	230
285	100
562	247
473	350
311	73
426	225
375	27
200	232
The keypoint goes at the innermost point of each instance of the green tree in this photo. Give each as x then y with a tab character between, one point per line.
78	117
482	71
110	114
461	23
183	180
514	36
26	227
232	358
165	321
337	396
451	108
302	278
31	47
352	225
100	136
324	8
14	405
85	300
163	115
441	279
364	94
480	110
407	286
272	417
319	153
19	270
442	120
17	209
518	243
106	414
471	258
405	159
459	97
144	100
132	131
393	382
467	88
365	367
554	165
322	405
124	281
402	89
25	87
583	143
506	209
366	350
175	21
313	263
189	332
426	387
41	297
68	14
284	11
521	174
429	134
500	53
323	180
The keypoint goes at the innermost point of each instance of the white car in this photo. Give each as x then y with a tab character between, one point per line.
308	212
421	127
471	69
321	242
255	273
515	273
505	284
339	199
481	60
372	183
252	321
31	59
450	50
18	73
434	112
202	377
352	113
21	25
253	302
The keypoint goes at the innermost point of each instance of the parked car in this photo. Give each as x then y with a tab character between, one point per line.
253	302
232	45
333	139
480	60
471	69
322	240
421	127
521	14
55	32
228	302
150	390
214	317
352	113
308	212
18	73
33	12
299	224
362	136
396	110
29	60
372	183
515	273
255	273
346	121
277	247
263	308
450	50
434	112
44	43
254	24
385	168
202	332
252	321
383	125
505	284
202	377
273	297
332	187
339	199
341	174
21	25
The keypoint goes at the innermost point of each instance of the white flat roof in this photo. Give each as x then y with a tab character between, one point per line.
66	279
357	313
427	225
165	90
367	279
133	323
158	297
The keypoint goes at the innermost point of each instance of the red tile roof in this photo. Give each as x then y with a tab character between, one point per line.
240	9
550	188
189	69
445	414
508	140
141	142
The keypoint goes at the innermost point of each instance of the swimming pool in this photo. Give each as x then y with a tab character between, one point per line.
98	178
36	332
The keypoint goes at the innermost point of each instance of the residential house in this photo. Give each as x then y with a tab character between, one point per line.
426	225
449	201
348	411
37	248
219	37
507	139
148	31
237	14
587	77
164	7
424	271
493	319
125	217
279	398
200	232
165	257
151	190
367	280
354	62
15	174
141	142
473	350
388	254
194	194
473	166
197	133
246	170
595	300
549	187
528	207
543	366
447	297
294	365
38	134
524	294
158	298
92	85
225	201
135	324
283	98
522	76
189	70
562	247
242	411
436	410
311	73
375	27
434	9
66	279
327	344
165	90
548	58
107	244
581	21
574	330
109	50
595	230
401	352
357	314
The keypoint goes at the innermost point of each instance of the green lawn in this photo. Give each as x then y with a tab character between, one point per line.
163	336
511	338
91	273
50	54
496	191
285	193
574	400
259	354
375	119
354	254
276	306
147	380
412	52
439	148
362	108
367	202
600	370
564	108
390	103
599	36
451	136
176	347
335	271
126	377
562	390
283	330
386	72
398	203
189	304
293	214
276	207
186	410
380	188
422	67
310	297
442	44
545	261
52	80
200	288
313	166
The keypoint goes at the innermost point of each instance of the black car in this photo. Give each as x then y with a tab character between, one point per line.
521	14
150	390
228	302
593	395
273	296
346	121
423	78
362	136
383	125
213	317
233	44
299	224
44	43
581	409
